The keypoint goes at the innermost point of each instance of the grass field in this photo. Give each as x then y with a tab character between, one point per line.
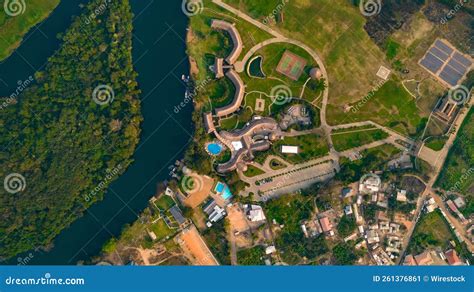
436	143
13	28
391	105
458	172
161	230
310	147
355	138
253	171
164	203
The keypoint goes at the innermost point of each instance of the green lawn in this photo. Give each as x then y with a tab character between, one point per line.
354	138
164	202
310	147
391	105
12	29
253	171
161	230
436	143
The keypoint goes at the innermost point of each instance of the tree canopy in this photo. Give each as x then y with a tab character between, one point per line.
60	135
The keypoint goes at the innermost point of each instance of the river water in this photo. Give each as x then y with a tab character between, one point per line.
160	59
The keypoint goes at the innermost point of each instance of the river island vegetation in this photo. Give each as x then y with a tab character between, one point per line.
66	146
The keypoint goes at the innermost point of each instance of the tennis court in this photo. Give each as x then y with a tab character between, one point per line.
291	65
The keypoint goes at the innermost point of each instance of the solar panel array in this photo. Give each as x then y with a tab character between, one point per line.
446	63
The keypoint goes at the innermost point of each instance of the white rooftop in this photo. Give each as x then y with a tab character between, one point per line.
289	149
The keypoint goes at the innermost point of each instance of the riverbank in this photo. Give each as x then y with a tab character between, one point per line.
18	19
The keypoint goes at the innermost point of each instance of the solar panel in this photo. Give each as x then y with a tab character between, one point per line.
431	63
438	53
450	75
457	66
444	47
463	60
446	63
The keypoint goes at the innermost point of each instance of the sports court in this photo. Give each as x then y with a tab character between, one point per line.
291	65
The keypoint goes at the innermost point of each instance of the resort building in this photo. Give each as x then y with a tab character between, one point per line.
255	213
209	123
235	36
218	68
243	143
238	97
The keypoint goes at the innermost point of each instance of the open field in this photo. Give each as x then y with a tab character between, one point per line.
310	147
161	230
436	143
391	105
355	138
13	28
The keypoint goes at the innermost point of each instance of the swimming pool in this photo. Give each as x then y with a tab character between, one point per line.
214	148
223	190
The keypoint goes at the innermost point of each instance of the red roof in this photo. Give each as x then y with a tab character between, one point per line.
409	261
453	258
325	224
452	206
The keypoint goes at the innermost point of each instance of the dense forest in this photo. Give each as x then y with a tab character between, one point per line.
70	133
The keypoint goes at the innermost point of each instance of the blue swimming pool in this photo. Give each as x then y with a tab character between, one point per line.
223	190
214	148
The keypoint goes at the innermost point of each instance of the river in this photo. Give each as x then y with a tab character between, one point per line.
159	53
